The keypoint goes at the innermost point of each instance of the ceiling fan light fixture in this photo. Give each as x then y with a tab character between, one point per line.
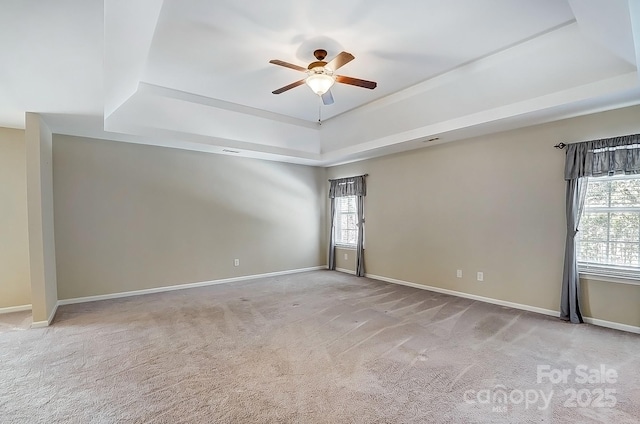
319	81
320	75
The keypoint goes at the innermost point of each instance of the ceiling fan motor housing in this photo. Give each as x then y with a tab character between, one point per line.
320	54
318	64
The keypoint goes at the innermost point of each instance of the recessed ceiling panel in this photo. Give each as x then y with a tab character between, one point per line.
221	49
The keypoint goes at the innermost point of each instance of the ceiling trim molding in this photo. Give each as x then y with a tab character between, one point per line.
128	32
612	30
530	107
484	62
152	89
634	13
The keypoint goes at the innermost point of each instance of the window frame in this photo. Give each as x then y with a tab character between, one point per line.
609	272
338	222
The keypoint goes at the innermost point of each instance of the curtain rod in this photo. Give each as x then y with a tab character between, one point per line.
355	176
560	146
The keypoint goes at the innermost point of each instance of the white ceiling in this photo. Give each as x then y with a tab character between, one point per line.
195	74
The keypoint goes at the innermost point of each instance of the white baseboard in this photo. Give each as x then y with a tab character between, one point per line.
588	320
10	309
42	324
182	286
611	324
468	296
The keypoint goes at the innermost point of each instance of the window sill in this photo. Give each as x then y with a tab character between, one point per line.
346	246
609	278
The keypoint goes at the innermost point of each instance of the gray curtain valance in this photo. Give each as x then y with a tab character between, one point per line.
598	158
352	186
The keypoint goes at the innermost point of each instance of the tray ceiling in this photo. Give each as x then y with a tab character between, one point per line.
195	74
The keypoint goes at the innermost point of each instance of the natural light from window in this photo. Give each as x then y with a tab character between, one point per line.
609	231
346	221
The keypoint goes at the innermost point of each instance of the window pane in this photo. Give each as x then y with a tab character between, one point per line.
351	201
597	192
348	237
624	226
348	221
344	223
595	252
593	226
623	254
625	192
346	204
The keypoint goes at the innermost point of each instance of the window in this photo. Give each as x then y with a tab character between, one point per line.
609	231
346	221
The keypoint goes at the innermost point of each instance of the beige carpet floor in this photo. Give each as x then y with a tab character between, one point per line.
15	321
317	347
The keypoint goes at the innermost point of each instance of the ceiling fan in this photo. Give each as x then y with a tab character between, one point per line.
321	75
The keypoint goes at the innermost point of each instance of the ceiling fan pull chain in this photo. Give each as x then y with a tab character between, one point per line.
320	111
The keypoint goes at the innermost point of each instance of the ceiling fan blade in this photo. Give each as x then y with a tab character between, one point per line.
288	65
288	87
357	82
339	61
327	98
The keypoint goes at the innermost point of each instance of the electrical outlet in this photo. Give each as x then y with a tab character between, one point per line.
346	257
236	262
480	276
459	273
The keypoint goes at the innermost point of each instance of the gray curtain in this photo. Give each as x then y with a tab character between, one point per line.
332	236
596	158
360	244
352	186
570	299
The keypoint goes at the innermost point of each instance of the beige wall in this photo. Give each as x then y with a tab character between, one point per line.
493	204
42	254
15	285
132	217
348	264
611	301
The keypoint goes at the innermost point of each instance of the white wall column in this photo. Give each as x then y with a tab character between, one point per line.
42	251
